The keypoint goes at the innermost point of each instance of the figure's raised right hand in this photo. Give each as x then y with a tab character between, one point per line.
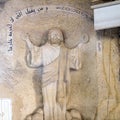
27	40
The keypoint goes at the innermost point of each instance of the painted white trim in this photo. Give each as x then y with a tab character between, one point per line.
105	4
107	17
5	109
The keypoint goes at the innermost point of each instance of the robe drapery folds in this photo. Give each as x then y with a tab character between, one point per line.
55	62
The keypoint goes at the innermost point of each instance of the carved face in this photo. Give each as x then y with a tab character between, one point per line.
55	36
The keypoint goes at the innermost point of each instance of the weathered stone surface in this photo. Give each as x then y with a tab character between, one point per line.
76	114
68	116
94	88
108	76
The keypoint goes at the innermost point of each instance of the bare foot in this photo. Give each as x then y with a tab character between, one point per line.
36	115
73	114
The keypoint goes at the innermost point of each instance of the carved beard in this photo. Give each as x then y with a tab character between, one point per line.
55	41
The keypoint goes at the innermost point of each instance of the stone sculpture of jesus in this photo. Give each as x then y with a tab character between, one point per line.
55	60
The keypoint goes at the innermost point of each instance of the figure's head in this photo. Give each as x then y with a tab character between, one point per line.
55	36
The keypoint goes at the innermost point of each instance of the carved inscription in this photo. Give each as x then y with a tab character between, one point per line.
36	10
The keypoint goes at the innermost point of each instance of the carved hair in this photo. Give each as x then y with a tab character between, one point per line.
55	34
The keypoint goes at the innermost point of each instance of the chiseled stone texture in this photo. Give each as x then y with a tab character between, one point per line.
108	76
94	88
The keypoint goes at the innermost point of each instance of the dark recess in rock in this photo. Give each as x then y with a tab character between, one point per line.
2	4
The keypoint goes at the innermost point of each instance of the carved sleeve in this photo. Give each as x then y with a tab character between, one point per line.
33	57
75	62
41	56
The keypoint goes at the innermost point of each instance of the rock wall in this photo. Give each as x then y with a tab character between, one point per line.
108	75
94	87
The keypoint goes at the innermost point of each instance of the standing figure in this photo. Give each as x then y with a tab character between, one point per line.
55	60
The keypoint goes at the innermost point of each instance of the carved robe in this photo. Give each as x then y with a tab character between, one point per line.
55	62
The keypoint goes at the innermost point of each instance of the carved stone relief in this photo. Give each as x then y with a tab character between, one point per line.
48	67
55	61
